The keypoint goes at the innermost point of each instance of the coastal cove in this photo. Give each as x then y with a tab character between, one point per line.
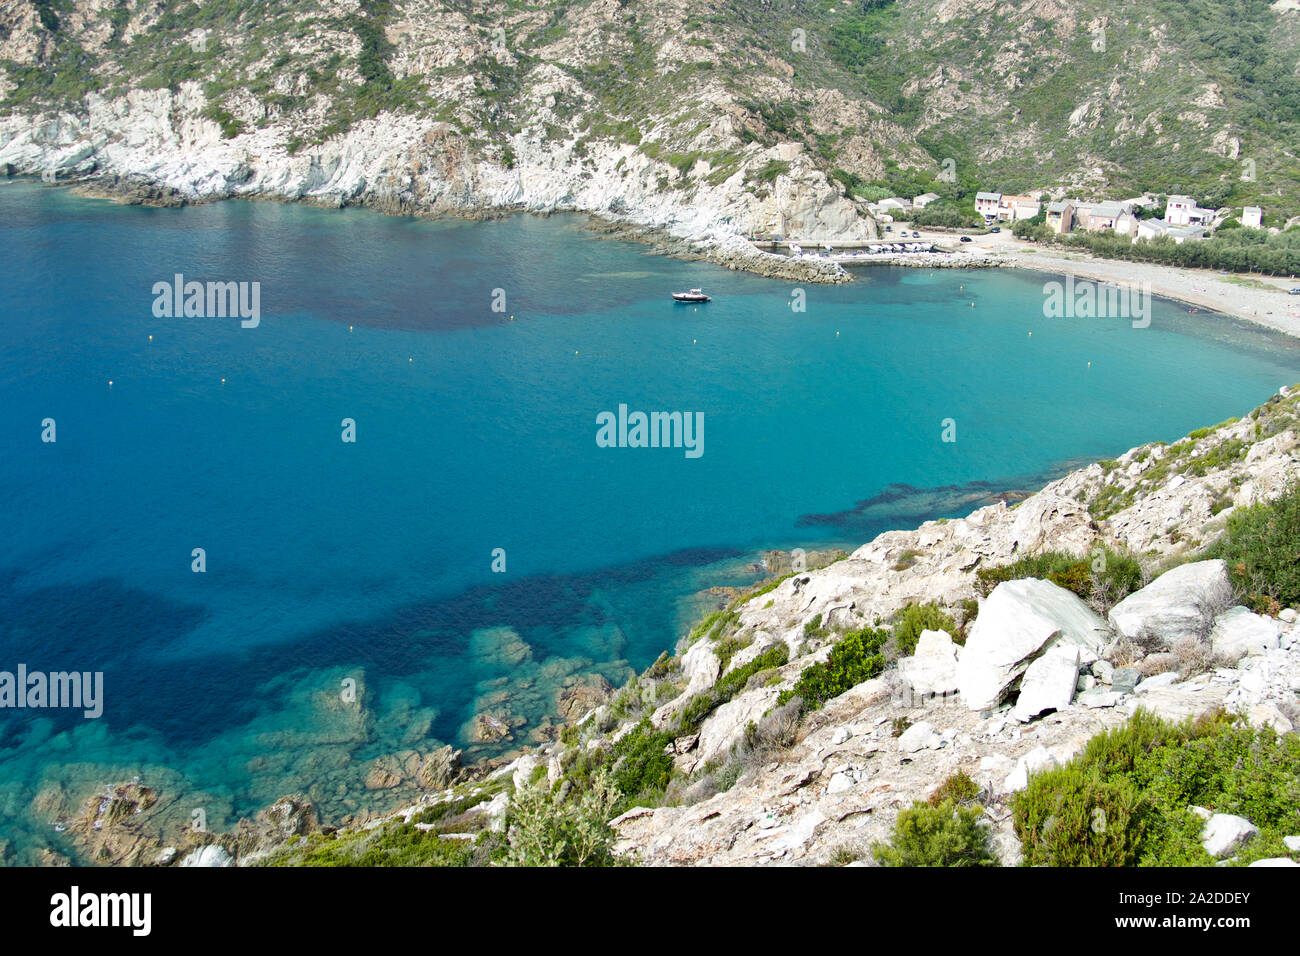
372	560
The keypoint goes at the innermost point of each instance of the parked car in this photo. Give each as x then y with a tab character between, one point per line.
965	238
889	229
916	235
1295	291
996	229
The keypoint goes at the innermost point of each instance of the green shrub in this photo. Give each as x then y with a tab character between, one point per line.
641	768
396	845
549	830
726	648
1124	800
855	658
694	711
1070	816
734	680
1262	548
1115	574
958	788
942	835
915	618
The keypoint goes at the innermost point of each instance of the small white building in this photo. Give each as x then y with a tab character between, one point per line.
987	204
1127	224
1181	234
1183	211
1252	217
923	200
1151	229
895	204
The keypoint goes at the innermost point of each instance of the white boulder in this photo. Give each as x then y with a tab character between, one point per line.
727	724
1224	833
1167	679
1239	633
210	855
1016	623
932	668
1267	715
1037	760
1179	604
1049	683
917	737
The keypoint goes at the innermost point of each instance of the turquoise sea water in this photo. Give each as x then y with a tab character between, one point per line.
475	431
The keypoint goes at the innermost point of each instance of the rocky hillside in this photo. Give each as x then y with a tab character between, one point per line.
707	120
970	659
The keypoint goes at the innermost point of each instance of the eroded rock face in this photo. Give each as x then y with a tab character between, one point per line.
1016	623
441	769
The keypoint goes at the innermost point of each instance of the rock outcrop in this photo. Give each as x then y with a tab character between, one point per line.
1016	623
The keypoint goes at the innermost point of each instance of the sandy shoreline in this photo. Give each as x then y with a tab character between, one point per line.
1205	289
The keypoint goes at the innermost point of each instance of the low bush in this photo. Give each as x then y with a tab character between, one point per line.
957	788
695	710
395	845
915	618
1124	800
1261	545
1108	575
857	657
547	829
641	768
942	835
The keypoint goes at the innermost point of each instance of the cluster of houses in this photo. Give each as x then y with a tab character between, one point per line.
991	205
1183	218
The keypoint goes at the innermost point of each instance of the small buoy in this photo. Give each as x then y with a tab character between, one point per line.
1089	365
223	381
349	328
110	383
575	351
693	341
410	359
1031	333
837	335
972	305
151	338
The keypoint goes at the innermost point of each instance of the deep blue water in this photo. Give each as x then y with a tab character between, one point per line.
475	430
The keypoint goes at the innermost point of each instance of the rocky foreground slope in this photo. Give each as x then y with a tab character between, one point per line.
1020	675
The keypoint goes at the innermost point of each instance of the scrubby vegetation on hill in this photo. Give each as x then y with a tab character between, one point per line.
1262	548
1011	97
